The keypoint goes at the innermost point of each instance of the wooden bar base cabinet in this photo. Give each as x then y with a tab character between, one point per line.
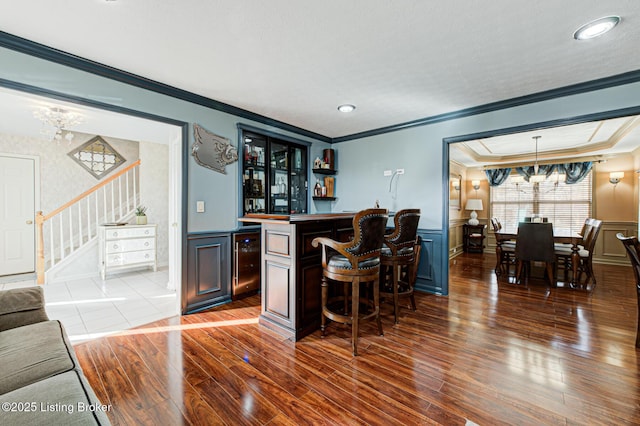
291	274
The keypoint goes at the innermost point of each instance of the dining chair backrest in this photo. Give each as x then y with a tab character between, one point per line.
495	224
534	242
632	246
592	235
585	227
536	219
586	230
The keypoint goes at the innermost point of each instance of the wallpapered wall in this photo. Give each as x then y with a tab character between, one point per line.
61	179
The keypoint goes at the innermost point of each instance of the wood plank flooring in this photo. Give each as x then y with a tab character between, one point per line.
490	353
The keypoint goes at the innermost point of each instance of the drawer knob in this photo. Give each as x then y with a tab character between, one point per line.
115	246
146	255
147	243
115	234
146	232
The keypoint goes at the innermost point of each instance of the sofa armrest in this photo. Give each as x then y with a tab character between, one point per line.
21	306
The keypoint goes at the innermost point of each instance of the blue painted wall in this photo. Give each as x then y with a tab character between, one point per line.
219	192
361	162
422	152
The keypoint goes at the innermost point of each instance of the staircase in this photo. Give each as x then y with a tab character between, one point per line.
64	232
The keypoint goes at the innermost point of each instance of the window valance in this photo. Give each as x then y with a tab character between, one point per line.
497	177
574	172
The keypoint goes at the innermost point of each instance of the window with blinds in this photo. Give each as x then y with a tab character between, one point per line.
566	206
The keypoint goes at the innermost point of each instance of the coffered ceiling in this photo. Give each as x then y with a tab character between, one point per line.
296	61
597	140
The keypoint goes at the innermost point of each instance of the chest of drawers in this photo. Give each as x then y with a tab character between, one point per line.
125	247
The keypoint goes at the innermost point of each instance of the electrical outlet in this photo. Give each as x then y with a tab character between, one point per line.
199	206
387	172
400	171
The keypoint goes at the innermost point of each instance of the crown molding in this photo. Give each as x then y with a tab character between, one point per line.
574	89
41	51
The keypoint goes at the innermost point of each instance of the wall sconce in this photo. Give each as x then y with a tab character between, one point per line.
475	184
614	177
456	184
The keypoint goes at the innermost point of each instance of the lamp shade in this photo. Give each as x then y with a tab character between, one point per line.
614	177
473	204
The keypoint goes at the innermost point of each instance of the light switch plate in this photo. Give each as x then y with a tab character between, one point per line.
199	206
387	173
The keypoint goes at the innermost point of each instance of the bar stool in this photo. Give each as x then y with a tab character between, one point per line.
356	262
398	252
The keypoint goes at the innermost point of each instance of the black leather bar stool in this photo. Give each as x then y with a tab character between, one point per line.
355	262
399	252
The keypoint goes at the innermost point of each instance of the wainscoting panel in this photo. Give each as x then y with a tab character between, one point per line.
608	248
208	271
455	237
430	269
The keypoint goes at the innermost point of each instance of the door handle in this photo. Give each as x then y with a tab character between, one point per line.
29	222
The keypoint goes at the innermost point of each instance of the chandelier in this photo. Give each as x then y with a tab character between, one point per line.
56	122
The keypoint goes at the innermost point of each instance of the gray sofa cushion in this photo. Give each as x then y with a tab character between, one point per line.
32	353
21	306
65	399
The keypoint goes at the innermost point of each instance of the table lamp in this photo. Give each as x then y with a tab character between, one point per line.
473	204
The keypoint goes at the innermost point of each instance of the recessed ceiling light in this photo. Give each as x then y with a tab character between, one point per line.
596	28
346	108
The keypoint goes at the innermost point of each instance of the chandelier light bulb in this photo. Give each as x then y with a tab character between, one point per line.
56	122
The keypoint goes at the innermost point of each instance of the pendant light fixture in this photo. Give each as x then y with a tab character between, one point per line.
536	178
535	166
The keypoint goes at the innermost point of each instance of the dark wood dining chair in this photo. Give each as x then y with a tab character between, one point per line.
534	242
353	263
399	252
632	247
505	250
590	232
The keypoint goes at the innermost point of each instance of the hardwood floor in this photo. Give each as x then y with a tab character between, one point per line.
489	353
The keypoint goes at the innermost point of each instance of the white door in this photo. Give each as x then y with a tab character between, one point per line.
17	205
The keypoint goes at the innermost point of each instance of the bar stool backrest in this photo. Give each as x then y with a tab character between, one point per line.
405	231
368	229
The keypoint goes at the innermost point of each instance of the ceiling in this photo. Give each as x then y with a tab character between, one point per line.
296	61
595	140
17	108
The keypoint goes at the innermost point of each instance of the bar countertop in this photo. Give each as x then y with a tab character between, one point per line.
294	218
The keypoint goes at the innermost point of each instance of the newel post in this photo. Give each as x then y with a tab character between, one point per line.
39	247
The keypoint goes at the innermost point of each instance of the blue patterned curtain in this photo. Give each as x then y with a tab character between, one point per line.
575	171
497	177
545	169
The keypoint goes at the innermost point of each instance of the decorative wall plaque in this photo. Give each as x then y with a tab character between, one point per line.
97	157
212	151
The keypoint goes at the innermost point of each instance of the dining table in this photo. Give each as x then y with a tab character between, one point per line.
560	236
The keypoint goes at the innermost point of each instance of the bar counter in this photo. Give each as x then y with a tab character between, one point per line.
292	268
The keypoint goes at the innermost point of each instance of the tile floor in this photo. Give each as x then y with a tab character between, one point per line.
90	308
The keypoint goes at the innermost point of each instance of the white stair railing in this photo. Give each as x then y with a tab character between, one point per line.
75	223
